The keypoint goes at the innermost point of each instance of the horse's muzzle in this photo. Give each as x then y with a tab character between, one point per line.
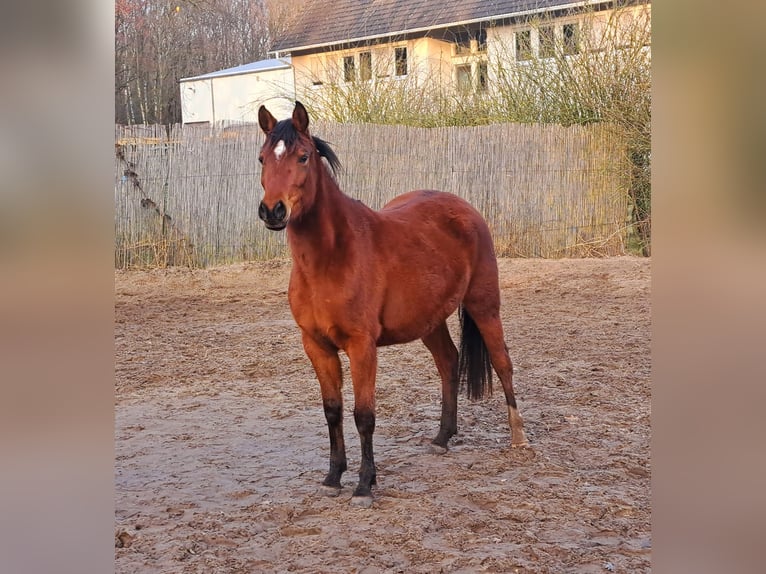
276	218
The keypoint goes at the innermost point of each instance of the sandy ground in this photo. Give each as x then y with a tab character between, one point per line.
221	442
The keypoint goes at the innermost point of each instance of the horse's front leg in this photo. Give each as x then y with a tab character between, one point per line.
328	370
363	359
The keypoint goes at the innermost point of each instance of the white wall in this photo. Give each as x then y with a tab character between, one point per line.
237	98
196	101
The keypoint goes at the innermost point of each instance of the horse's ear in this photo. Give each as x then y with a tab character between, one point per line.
266	120
300	118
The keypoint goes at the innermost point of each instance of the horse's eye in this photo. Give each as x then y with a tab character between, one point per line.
304	158
260	159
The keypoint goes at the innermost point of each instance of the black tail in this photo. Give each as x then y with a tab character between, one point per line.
474	367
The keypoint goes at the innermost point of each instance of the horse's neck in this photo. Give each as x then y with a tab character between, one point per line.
326	230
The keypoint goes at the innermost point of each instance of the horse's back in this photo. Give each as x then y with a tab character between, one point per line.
437	216
429	198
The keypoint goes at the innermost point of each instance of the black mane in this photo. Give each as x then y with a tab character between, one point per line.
285	131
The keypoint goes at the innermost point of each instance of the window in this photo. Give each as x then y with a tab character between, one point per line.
316	72
481	40
382	62
470	79
470	42
523	45
483	78
349	71
571	38
400	61
365	66
462	43
463	78
547	42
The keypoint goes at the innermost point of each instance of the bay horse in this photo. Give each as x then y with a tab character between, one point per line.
362	279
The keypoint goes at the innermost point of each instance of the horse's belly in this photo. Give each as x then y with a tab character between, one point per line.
411	316
405	334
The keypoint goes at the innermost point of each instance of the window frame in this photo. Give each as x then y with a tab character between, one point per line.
315	70
399	61
365	66
482	76
570	42
546	41
525	54
349	69
464	77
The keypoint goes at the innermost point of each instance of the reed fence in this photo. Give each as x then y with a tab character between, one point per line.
188	195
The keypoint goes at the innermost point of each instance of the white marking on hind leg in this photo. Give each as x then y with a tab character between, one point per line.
518	438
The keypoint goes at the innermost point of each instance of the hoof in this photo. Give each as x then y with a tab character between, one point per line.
436	449
331	491
524	444
361	501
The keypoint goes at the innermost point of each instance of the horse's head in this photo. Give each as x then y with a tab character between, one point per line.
291	160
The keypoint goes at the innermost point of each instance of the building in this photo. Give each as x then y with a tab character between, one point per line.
453	45
233	95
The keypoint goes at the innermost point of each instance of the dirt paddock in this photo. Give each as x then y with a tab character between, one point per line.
221	442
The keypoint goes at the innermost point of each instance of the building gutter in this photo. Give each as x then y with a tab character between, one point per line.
213	75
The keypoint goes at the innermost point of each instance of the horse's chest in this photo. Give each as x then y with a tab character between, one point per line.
324	312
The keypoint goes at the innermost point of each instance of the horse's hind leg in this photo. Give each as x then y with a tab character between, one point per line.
485	312
445	356
328	370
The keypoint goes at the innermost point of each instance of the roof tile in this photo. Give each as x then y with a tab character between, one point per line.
325	22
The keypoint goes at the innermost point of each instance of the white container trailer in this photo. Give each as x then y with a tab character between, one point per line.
234	95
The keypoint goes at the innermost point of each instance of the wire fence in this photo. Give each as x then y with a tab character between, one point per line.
189	195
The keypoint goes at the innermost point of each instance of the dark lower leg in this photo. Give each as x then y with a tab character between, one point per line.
448	425
328	370
333	412
365	424
445	356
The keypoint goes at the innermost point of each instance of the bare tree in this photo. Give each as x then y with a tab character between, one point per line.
158	42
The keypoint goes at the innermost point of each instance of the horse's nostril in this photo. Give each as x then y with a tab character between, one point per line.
280	211
263	211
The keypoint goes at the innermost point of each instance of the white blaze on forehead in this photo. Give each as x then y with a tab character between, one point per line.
279	149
